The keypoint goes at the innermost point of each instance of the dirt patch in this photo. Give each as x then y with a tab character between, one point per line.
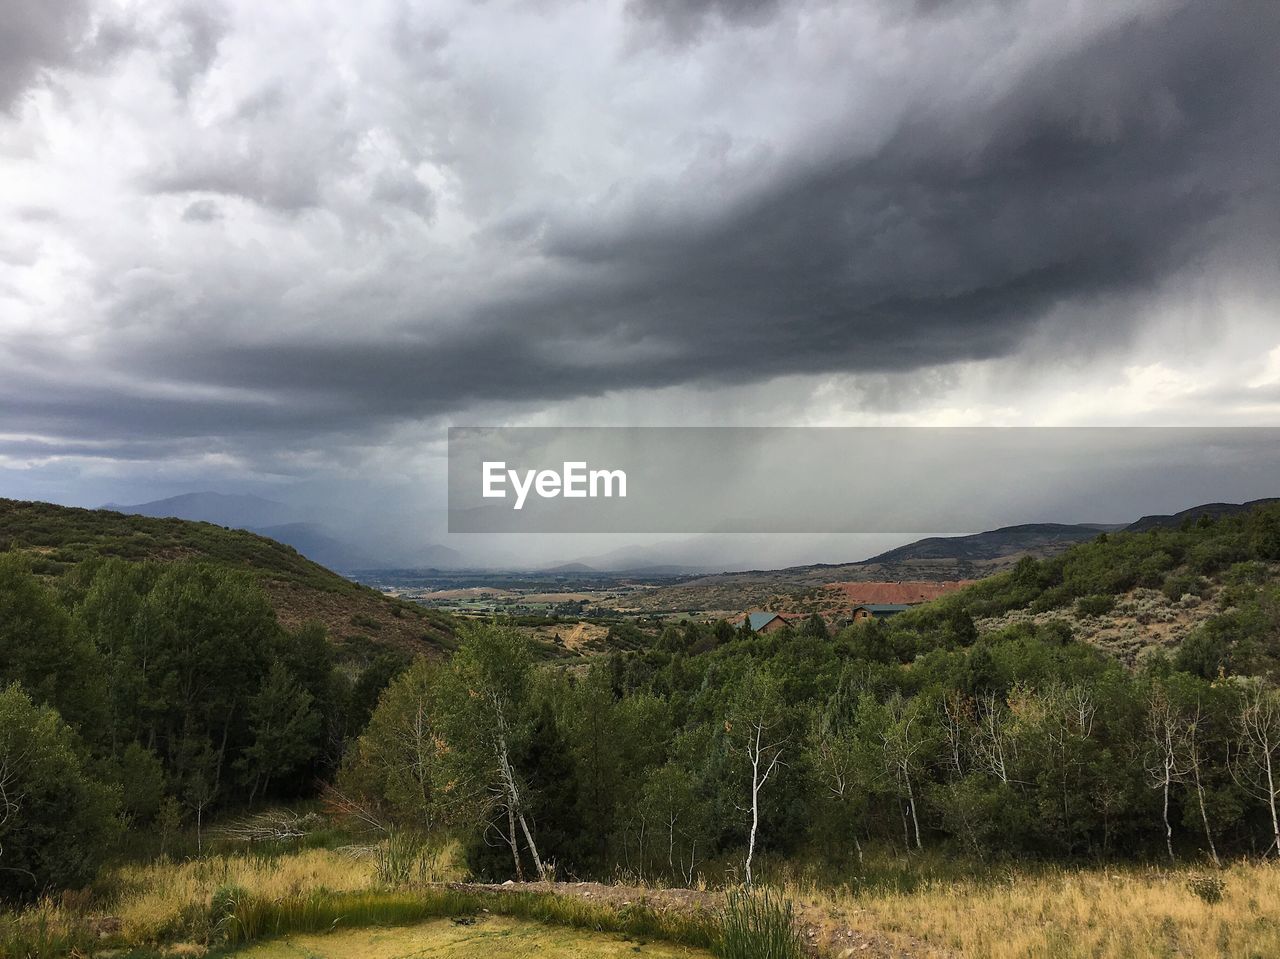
573	636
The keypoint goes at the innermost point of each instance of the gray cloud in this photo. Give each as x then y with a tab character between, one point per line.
202	211
419	230
203	26
684	20
36	34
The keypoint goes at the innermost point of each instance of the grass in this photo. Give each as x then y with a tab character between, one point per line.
240	898
252	918
1100	913
487	938
758	927
925	905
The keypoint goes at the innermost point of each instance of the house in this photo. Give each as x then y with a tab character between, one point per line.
766	622
878	610
761	622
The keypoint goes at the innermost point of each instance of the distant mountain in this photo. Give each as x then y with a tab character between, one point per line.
236	510
1034	539
435	556
283	523
317	545
1211	510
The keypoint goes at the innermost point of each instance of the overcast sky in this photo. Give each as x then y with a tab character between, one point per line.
280	247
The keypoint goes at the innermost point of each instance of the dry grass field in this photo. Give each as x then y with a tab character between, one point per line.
1101	913
1097	913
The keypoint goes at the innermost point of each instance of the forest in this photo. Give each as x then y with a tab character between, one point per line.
141	701
141	695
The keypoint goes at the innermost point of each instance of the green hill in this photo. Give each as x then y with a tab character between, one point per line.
57	539
1206	591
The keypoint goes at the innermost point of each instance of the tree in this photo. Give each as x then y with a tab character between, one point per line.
107	612
1164	733
199	654
41	648
905	739
141	777
756	732
1256	768
488	715
402	761
284	727
56	821
842	757
669	800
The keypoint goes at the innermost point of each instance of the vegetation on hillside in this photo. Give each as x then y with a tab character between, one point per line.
167	690
716	744
58	540
147	694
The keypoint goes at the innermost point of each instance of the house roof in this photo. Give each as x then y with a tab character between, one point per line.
874	608
760	620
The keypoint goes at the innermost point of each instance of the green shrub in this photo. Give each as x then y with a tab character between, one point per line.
57	833
1177	585
1096	605
1208	887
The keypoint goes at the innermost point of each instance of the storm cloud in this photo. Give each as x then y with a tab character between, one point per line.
264	235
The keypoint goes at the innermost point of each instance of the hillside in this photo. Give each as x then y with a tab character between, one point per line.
1029	539
942	560
1212	511
57	538
1206	593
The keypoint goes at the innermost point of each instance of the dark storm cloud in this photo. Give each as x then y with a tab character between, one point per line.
36	34
1106	171
1055	200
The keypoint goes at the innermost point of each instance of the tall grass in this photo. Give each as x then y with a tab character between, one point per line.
1061	913
757	926
44	931
404	859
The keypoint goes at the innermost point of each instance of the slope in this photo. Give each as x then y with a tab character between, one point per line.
58	538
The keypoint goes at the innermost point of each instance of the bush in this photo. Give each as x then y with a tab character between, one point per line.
57	822
1208	887
1095	605
1178	585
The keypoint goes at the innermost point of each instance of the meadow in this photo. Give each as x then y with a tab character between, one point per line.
225	902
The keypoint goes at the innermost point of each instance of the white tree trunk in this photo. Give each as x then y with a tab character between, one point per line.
514	799
1204	818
